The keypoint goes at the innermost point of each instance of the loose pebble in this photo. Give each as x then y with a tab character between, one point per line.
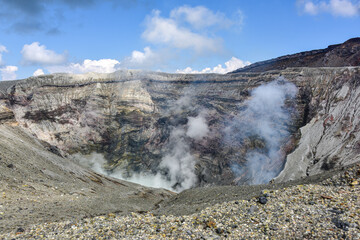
328	210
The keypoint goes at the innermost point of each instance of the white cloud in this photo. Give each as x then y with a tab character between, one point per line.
201	17
137	60
2	50
38	72
231	65
35	53
8	72
190	28
138	57
99	66
168	31
147	59
342	8
311	8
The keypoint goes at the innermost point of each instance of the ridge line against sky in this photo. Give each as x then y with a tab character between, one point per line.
77	36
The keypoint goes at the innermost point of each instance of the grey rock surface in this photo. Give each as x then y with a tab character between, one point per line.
331	139
128	116
38	186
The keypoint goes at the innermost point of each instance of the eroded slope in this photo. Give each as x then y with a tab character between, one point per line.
38	186
140	121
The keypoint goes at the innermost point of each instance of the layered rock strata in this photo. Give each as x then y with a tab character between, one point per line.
129	116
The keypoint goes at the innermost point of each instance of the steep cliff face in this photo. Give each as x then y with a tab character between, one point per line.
195	130
331	138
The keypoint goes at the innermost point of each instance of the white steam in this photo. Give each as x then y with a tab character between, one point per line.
197	127
177	167
179	162
96	162
254	136
184	103
265	119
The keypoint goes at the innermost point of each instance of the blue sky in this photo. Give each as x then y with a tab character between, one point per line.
46	36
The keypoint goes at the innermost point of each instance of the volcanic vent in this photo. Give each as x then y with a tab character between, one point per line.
184	130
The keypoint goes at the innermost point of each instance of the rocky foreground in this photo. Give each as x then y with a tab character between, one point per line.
328	210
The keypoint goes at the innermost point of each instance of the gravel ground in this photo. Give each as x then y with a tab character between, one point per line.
328	210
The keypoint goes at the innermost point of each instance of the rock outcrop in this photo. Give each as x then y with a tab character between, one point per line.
129	117
331	138
339	55
143	122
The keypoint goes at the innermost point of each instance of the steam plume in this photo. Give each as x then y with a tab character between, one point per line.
177	167
264	122
197	127
178	160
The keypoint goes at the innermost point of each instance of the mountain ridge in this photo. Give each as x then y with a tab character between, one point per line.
338	55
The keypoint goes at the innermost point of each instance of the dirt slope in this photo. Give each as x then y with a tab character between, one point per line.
38	186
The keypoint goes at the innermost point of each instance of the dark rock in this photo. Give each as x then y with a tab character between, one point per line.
55	150
262	200
10	165
219	230
20	230
273	228
340	224
336	211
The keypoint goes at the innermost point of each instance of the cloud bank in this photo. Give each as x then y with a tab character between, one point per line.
99	66
231	65
340	8
185	35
